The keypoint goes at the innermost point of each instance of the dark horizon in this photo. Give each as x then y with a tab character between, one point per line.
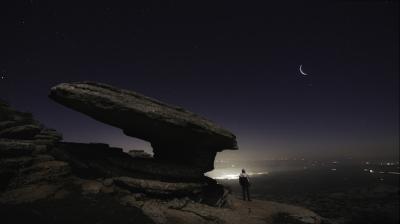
235	64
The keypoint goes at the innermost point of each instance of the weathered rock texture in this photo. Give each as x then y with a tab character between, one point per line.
139	154
153	187
27	170
176	135
43	180
186	211
33	157
96	160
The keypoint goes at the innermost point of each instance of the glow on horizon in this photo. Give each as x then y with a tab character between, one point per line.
230	175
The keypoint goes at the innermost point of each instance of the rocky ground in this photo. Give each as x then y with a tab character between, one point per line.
92	205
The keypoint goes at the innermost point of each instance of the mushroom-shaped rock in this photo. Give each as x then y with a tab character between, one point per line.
176	135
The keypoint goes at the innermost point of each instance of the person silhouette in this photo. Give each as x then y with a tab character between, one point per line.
244	182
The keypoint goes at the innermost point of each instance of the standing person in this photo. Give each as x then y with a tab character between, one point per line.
244	181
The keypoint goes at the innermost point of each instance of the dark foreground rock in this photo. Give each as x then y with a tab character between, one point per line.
176	135
70	205
27	131
73	208
184	210
139	154
100	160
27	170
154	187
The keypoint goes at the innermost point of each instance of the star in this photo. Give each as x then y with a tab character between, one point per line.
3	75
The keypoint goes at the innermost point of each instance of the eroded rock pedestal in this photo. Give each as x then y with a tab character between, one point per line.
35	164
184	144
45	180
176	135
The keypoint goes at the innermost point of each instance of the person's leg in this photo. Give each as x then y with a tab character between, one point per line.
248	193
243	192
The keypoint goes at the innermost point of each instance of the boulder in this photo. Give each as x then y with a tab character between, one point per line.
16	163
7	124
28	193
7	115
48	134
16	148
215	195
130	200
20	132
47	171
24	160
91	187
158	187
176	135
139	154
95	160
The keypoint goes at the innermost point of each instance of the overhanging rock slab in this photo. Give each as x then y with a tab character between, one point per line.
176	135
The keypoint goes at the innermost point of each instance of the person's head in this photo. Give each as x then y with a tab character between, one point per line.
243	171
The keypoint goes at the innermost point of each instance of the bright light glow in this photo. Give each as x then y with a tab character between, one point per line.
228	177
231	174
259	173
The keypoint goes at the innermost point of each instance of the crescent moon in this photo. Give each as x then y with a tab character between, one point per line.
301	71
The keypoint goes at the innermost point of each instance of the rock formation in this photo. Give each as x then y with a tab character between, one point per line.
139	154
27	170
184	143
45	180
176	135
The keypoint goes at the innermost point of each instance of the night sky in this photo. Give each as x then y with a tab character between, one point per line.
236	63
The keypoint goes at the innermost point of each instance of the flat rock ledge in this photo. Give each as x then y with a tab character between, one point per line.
154	187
